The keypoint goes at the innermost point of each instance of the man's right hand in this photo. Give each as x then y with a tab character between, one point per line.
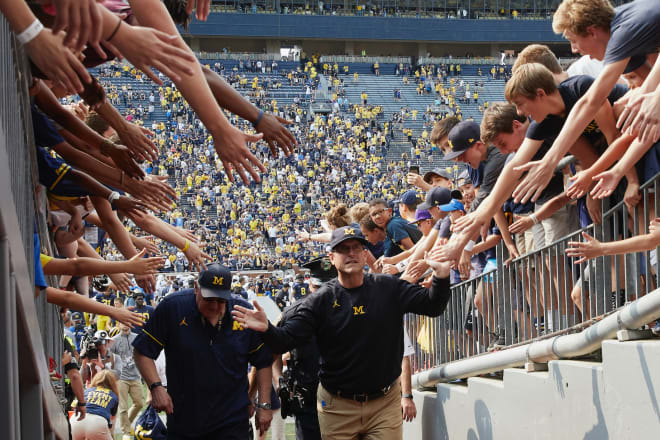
81	412
417	180
254	319
161	400
263	419
440	268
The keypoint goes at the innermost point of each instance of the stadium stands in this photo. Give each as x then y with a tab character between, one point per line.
202	193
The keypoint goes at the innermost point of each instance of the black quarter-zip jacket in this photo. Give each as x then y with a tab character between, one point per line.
359	331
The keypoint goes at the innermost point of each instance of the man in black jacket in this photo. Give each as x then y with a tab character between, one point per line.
358	323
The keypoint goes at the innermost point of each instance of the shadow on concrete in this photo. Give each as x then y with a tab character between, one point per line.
559	381
599	431
483	421
649	382
434	423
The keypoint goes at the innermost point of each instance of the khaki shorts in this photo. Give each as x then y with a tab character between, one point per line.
562	223
524	240
347	419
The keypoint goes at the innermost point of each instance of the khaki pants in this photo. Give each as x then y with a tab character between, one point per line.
346	419
126	415
92	427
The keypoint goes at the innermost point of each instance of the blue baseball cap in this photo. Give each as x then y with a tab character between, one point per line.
342	234
421	214
215	282
409	197
454	205
463	136
436	197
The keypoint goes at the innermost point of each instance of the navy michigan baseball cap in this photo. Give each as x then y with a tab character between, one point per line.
342	234
435	197
215	282
409	197
463	136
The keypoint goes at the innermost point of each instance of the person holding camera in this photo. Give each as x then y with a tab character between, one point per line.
97	357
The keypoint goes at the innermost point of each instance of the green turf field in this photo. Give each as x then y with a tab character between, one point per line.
289	429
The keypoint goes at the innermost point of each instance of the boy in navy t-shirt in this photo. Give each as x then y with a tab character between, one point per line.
401	236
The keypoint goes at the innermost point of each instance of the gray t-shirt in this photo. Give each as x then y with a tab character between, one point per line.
122	347
635	30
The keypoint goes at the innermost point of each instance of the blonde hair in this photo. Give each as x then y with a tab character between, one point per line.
498	118
359	210
338	216
527	80
577	15
105	379
538	53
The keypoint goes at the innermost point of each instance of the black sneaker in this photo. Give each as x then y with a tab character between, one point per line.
620	295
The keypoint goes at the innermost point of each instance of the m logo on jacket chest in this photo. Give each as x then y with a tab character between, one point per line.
358	310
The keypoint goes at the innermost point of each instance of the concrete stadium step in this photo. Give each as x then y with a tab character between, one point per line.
615	398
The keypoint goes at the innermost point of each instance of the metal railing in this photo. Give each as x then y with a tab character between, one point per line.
541	294
30	331
488	61
245	56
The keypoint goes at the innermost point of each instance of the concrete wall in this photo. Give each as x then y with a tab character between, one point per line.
615	399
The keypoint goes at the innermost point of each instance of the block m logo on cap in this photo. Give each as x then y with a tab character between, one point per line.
217	281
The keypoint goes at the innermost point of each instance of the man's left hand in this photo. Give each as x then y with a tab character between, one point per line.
409	409
263	419
254	319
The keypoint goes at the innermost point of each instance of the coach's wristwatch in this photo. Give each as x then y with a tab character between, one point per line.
263	405
155	385
407	396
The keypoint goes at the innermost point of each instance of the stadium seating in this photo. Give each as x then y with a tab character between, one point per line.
378	88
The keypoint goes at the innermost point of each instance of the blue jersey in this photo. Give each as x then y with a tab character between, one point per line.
300	290
146	312
102	402
206	366
107	300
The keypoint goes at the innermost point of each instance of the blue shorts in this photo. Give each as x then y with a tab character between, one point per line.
491	264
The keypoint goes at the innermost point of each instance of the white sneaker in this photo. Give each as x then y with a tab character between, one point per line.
126	437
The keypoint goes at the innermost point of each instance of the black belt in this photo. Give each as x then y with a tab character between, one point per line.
361	397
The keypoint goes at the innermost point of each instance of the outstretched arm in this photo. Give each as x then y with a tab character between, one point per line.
540	172
230	143
92	266
272	127
80	303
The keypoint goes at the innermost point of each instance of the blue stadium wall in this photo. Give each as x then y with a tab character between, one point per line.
374	28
